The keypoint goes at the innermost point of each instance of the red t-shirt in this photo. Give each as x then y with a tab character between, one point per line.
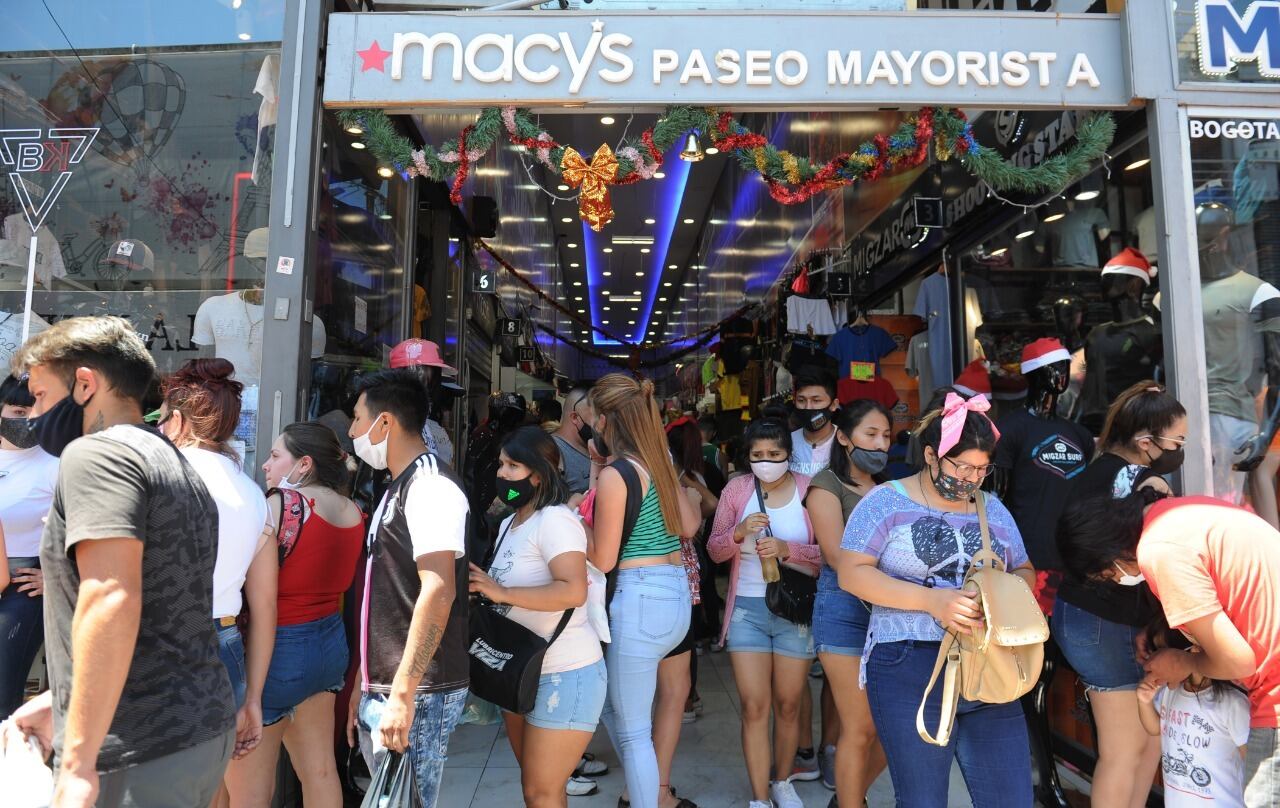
318	571
878	389
1202	556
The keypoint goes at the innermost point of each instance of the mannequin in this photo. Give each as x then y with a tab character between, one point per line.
1038	456
1241	316
1076	236
1126	350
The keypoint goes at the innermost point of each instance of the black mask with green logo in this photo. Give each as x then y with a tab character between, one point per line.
516	493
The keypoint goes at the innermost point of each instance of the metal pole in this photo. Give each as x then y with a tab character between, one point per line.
31	280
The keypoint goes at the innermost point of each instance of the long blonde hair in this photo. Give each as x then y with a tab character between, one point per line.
633	426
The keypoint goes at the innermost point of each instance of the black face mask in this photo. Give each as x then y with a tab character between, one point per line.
1169	461
872	461
590	435
63	423
18	431
813	420
516	493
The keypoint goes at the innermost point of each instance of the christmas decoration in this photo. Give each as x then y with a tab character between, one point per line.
594	178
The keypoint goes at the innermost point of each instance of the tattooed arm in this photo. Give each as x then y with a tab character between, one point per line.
426	628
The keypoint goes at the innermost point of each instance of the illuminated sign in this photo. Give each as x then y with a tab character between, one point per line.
1227	38
30	152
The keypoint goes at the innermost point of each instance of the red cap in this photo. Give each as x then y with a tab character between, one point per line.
974	379
413	352
1044	351
1130	262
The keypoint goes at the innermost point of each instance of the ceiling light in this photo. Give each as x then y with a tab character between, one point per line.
606	292
688	221
574	265
582	311
577	283
562	187
606	308
636	292
1000	251
1137	164
385	171
572	246
644	250
607	250
1053	217
662	300
606	274
1085	196
354	129
671	266
357	145
631	322
650	221
577	298
689	284
607	120
1025	234
604	322
666	283
635	308
384	216
630	240
712	150
659	175
639	274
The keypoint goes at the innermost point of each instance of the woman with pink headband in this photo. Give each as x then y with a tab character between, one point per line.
906	548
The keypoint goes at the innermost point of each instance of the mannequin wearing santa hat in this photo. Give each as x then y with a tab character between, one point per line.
1241	320
1038	456
1126	350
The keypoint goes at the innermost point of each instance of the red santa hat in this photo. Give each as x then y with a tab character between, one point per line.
974	379
1043	352
1130	262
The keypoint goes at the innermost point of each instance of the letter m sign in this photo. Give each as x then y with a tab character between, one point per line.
1227	38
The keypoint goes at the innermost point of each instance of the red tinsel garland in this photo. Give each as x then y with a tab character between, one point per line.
464	167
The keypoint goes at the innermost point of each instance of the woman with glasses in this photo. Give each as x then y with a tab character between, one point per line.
905	550
1096	623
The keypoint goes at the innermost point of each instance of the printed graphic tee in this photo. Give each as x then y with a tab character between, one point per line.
1200	738
806	458
867	343
1043	457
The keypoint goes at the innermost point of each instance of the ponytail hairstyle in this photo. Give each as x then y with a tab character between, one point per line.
847	419
633	426
978	433
1144	409
318	442
209	400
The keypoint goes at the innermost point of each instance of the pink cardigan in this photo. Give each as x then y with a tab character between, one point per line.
721	546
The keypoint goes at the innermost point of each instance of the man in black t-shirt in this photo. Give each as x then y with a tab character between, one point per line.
140	709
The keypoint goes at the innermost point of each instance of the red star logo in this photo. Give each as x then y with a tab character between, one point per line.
373	58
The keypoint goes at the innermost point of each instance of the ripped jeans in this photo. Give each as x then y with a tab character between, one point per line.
648	617
21	634
570	699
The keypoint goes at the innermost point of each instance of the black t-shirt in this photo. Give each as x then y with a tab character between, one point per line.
1112	475
1117	356
736	338
1043	457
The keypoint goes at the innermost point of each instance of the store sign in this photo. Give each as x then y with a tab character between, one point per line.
485	279
811	59
1228	38
1234	130
29	153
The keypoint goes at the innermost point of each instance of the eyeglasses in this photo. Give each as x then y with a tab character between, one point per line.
1179	442
968	470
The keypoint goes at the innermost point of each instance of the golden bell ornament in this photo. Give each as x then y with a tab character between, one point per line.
692	151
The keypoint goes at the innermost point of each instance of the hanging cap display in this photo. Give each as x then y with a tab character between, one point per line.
255	244
131	254
1130	262
413	352
1044	351
974	379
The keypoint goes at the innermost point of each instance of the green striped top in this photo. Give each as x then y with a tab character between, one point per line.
650	536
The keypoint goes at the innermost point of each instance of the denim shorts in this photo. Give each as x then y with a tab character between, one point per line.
1101	652
840	623
231	649
755	629
309	658
571	699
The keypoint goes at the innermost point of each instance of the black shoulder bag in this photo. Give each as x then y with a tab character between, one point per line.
791	596
506	657
635	497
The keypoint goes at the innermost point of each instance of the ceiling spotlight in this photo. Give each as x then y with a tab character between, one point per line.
577	283
562	187
644	250
1025	234
692	151
607	250
1000	251
1085	196
606	274
631	322
604	322
712	150
574	265
572	246
385	171
357	145
606	308
354	129
639	273
659	175
582	311
671	266
607	120
666	283
566	219
606	292
1137	164
384	216
662	300
578	298
650	221
688	221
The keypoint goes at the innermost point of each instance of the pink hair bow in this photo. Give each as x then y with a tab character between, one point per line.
954	412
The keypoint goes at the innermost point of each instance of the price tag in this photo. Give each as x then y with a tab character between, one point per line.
862	371
485	280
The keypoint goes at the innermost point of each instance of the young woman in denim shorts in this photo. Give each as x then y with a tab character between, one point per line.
863	434
309	664
1096	623
539	570
770	655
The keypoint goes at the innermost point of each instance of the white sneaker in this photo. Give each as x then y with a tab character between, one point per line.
759	804
784	794
580	787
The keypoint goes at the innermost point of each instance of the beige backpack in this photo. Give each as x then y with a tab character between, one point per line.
1004	661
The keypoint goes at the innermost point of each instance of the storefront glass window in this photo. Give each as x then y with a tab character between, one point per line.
139	185
1236	174
360	290
60	26
1227	40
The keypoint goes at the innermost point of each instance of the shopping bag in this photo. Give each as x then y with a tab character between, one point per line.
393	784
28	783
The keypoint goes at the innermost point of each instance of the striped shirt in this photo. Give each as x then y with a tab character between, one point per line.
650	536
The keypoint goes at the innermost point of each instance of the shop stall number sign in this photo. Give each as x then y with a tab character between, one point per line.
485	280
528	353
509	328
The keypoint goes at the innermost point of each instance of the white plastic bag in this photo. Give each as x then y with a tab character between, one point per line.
28	783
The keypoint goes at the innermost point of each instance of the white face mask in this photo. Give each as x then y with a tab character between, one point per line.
284	481
373	454
1126	579
769	471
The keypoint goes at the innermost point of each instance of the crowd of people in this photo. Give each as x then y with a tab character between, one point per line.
193	623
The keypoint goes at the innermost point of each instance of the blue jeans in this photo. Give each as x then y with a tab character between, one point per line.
755	629
231	649
309	658
989	740
1100	651
21	634
649	616
435	715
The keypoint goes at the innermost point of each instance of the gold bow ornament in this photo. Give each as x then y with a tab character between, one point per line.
594	205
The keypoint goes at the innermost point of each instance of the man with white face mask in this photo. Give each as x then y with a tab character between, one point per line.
413	670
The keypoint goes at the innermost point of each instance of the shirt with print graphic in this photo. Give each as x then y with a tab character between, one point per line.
1043	458
923	546
1200	739
128	482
